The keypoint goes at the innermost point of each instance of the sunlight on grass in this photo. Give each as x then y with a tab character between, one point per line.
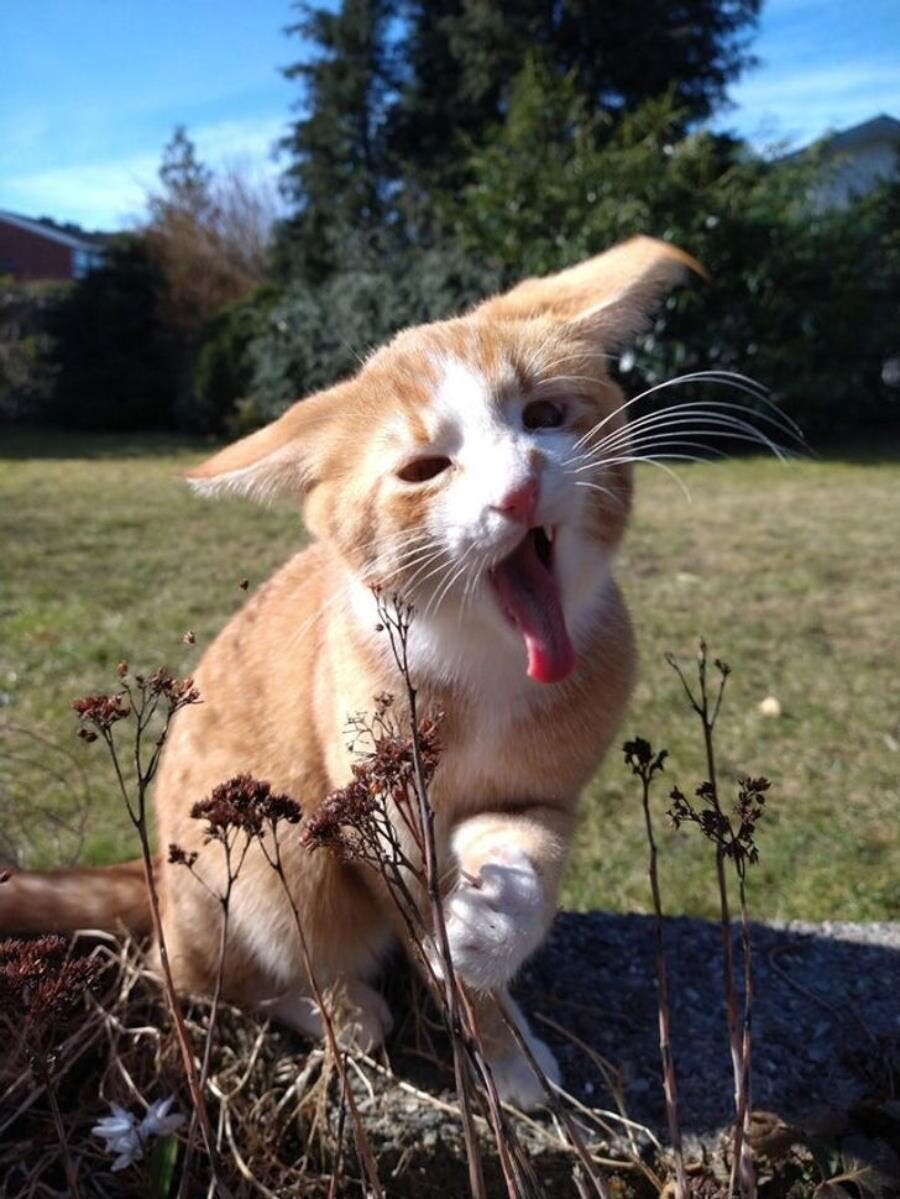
790	572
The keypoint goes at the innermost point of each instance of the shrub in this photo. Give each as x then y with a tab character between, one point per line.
26	376
116	362
313	336
222	371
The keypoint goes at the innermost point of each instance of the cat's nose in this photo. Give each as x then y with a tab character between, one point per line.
520	502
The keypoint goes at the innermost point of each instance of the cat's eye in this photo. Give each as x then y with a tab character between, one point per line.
543	414
420	470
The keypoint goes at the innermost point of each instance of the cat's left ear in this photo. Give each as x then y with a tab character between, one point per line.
609	298
288	456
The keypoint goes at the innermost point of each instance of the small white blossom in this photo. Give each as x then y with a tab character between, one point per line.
158	1122
127	1138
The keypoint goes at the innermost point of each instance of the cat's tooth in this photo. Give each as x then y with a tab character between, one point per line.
548	533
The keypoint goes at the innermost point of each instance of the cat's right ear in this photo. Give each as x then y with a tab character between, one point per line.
609	298
286	457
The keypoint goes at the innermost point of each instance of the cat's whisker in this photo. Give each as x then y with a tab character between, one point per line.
666	469
667	438
617	499
679	416
399	562
721	416
557	380
444	587
420	583
664	438
725	378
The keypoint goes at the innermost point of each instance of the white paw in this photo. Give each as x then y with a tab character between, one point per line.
359	1015
495	922
516	1080
364	1023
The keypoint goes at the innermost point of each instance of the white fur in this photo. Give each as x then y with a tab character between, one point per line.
514	1076
460	637
495	922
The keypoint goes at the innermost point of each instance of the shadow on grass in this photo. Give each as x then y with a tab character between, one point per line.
29	442
23	444
875	449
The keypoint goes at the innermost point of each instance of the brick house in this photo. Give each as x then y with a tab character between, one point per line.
41	250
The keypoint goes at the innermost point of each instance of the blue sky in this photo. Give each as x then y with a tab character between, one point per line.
93	88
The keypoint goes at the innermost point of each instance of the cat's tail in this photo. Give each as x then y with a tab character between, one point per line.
111	898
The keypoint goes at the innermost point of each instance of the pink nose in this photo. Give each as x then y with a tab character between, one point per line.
520	502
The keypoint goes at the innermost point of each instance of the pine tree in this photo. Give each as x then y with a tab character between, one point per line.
186	182
337	177
401	92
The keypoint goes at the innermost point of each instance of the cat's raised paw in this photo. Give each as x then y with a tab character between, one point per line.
495	921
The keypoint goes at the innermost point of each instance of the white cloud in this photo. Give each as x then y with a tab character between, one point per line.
112	194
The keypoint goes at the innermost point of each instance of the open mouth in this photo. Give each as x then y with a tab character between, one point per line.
528	591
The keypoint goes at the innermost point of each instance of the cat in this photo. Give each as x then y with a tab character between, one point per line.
453	469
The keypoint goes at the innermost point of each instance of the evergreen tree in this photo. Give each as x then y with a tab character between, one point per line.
187	183
337	177
398	94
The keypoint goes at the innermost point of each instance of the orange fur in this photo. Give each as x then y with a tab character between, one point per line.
281	679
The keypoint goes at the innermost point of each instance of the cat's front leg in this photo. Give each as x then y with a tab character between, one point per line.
508	875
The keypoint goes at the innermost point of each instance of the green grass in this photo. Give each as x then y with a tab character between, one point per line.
791	573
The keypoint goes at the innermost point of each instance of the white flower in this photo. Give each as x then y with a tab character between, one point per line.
158	1122
127	1138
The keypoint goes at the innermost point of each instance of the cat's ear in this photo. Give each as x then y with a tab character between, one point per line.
610	297
285	457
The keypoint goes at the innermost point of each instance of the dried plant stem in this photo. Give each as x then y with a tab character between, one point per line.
184	1044
741	1159
397	624
670	1086
143	778
575	1137
707	712
361	1140
517	1172
742	1164
42	1070
224	901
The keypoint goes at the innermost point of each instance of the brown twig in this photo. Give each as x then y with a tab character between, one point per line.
396	619
645	764
144	700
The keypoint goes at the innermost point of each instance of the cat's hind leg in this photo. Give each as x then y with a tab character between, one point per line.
360	1015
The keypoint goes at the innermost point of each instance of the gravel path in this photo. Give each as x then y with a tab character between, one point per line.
826	1025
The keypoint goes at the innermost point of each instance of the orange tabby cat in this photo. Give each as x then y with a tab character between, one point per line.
447	470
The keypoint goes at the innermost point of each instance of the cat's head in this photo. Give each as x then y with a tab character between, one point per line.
460	466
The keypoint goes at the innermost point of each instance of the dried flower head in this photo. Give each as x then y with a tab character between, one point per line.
41	985
102	711
178	692
643	761
181	857
244	803
732	842
335	824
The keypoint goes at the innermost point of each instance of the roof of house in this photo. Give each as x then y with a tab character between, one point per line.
71	236
880	128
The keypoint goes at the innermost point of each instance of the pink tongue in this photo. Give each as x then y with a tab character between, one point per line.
530	597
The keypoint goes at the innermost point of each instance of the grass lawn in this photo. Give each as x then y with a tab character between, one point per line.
792	574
